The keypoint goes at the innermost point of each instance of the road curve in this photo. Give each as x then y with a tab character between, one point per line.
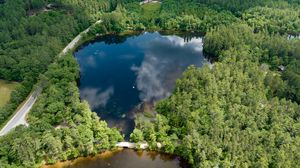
20	117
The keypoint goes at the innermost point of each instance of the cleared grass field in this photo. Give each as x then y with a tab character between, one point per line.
5	91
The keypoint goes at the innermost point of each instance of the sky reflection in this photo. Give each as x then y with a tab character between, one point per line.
96	97
116	77
165	58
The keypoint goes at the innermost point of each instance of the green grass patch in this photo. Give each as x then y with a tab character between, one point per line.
151	10
5	91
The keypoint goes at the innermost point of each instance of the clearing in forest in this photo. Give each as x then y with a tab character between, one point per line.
5	91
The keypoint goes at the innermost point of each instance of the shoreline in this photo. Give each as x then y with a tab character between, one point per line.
106	155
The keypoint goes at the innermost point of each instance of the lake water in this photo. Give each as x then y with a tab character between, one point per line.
119	73
124	159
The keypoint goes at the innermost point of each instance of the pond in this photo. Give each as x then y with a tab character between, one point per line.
124	75
124	159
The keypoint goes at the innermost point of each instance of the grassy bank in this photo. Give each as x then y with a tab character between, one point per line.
5	91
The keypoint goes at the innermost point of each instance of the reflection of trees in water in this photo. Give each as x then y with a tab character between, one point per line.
152	155
162	156
166	157
116	39
123	158
113	39
187	36
139	153
108	39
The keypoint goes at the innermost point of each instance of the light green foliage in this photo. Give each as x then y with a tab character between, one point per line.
237	6
190	16
136	136
274	19
193	17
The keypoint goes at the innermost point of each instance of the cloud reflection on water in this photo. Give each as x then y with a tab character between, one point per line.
164	61
96	97
119	80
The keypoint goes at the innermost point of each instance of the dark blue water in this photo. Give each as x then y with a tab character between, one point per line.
118	74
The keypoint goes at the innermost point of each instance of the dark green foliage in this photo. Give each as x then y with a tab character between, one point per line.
234	113
223	117
30	38
61	127
237	112
33	41
292	75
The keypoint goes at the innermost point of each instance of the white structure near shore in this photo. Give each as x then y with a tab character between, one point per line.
131	145
148	1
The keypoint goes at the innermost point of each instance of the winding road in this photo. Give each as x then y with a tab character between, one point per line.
20	116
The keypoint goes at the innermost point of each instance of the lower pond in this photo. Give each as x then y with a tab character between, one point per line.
124	75
124	159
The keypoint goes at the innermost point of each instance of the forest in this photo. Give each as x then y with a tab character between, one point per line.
31	37
241	112
61	126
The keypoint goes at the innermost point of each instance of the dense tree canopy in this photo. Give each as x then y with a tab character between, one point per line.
240	111
31	35
274	50
61	127
281	19
223	117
